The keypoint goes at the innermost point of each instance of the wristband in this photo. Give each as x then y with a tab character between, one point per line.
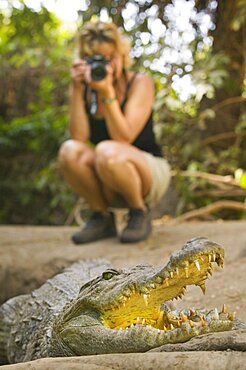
108	101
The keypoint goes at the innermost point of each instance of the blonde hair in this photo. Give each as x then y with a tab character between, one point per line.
94	33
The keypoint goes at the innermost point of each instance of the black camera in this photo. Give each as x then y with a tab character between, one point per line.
98	70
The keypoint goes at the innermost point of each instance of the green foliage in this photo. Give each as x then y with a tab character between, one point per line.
31	185
35	69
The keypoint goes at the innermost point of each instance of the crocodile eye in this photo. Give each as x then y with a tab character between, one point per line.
107	275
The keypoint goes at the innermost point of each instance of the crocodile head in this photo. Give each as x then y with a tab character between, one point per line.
120	305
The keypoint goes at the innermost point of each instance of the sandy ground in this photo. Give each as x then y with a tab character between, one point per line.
30	255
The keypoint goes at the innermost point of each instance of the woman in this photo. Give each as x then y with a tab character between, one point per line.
112	159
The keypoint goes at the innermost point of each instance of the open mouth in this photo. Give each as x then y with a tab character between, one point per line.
143	305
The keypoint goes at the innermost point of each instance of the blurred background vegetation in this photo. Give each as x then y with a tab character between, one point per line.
195	52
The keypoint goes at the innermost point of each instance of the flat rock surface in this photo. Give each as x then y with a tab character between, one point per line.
141	361
30	255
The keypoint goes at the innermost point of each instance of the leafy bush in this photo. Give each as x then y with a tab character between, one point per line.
32	189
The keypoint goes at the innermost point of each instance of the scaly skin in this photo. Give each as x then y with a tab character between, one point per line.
118	311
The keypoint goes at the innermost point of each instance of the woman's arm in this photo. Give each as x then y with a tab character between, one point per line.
125	126
78	119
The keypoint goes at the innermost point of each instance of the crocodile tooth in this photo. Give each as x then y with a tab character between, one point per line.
191	323
145	297
120	328
177	271
197	265
127	293
158	280
159	321
216	314
183	317
152	285
171	327
144	290
214	257
221	261
143	322
132	325
192	312
203	321
209	258
203	288
123	301
138	320
171	274
167	282
186	272
165	329
224	309
231	316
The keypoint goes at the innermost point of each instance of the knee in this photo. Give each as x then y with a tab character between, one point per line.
68	153
108	154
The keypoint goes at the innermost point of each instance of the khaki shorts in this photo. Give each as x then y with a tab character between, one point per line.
161	176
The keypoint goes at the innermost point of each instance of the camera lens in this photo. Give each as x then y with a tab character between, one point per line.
98	71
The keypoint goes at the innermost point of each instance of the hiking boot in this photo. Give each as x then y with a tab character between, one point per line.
138	226
99	226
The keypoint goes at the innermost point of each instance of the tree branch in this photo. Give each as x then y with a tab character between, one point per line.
229	101
221	193
210	209
222	136
228	179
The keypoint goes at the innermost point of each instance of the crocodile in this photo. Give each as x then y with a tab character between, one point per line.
93	308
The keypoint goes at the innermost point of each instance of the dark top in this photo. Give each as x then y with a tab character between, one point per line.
144	141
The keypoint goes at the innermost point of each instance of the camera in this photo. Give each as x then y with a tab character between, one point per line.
98	70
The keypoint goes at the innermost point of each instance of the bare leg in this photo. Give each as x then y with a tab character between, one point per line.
77	160
124	169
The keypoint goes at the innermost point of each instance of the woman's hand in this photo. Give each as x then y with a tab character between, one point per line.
81	72
103	87
78	71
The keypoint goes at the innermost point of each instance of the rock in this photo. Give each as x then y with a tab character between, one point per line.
144	361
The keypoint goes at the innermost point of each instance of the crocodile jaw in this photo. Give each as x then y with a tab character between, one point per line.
191	266
82	340
120	299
